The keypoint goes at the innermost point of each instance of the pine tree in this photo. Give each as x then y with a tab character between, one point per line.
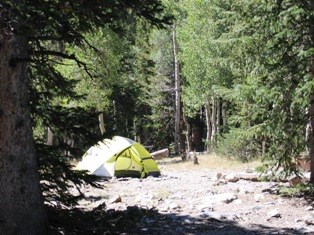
33	38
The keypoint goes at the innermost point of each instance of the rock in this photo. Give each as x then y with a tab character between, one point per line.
163	208
309	220
232	217
115	199
204	207
174	206
295	181
238	201
248	176
258	197
217	177
273	214
249	170
223	197
271	189
245	189
231	178
211	214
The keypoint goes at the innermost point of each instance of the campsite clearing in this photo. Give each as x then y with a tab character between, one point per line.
213	197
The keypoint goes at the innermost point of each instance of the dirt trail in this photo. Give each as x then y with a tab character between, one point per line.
200	200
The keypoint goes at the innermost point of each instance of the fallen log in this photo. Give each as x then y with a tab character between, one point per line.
160	154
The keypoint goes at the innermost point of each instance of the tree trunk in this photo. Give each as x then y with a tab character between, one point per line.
177	133
311	136
218	116
311	101
101	123
49	136
21	203
213	121
208	125
187	134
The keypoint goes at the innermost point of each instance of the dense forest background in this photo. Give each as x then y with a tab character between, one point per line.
227	78
233	78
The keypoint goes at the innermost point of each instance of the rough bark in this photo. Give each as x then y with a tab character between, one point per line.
311	100
22	208
311	136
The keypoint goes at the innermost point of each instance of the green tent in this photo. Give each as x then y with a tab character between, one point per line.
119	157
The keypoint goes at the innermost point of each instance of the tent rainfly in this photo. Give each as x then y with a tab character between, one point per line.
119	157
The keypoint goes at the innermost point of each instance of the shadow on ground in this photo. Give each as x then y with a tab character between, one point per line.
135	220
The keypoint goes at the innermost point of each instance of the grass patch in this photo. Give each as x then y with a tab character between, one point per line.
300	190
206	161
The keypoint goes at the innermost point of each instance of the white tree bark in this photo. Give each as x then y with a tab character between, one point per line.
213	121
101	123
208	124
224	115
218	116
177	133
49	136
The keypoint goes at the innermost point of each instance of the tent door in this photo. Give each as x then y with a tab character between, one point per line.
125	166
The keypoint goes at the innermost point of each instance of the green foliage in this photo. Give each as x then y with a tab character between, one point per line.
239	144
202	52
160	90
61	184
61	35
305	190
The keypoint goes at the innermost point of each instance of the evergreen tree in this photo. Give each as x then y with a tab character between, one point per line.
33	36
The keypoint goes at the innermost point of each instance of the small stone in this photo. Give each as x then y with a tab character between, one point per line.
115	199
174	206
258	197
231	178
273	214
223	197
238	201
249	170
219	175
309	220
211	214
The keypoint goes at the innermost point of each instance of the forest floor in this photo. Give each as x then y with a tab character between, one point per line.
218	196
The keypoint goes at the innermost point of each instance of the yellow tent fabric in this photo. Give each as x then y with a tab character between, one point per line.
119	157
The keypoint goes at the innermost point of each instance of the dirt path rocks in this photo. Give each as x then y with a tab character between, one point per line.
204	202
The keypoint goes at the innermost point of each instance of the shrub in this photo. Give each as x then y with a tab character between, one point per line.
239	144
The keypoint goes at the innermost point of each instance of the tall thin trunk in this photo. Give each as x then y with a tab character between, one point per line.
208	124
213	120
101	123
311	135
49	136
177	133
187	134
218	116
311	100
224	115
22	207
